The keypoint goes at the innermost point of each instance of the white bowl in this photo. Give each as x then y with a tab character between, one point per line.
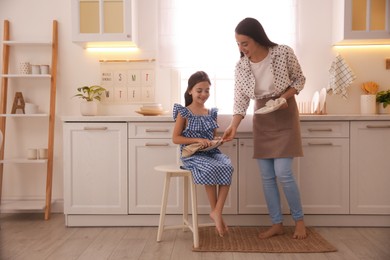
151	107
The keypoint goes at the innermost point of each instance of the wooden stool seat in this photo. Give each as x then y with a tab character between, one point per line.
174	170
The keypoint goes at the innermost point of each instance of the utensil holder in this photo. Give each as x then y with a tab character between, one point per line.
368	104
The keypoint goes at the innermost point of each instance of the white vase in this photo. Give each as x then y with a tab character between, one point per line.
368	104
88	108
383	110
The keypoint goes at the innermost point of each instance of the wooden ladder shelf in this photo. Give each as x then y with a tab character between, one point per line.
5	78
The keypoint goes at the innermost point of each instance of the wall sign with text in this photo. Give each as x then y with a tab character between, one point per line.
128	82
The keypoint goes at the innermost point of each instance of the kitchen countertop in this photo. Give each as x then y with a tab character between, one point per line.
226	118
223	119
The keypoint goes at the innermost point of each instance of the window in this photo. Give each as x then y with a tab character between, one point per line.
199	35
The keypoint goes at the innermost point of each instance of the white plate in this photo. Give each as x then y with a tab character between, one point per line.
322	99
151	113
314	102
269	109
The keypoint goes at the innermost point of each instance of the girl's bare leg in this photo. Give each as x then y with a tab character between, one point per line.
217	203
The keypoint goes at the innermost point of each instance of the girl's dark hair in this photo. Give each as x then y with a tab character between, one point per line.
195	78
252	28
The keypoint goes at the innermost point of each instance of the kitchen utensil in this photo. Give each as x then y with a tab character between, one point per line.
315	102
322	100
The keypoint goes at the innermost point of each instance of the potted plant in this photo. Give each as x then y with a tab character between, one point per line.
90	96
383	98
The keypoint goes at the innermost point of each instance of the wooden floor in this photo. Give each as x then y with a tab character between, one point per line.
28	236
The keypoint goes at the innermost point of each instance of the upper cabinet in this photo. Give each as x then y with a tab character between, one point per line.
361	22
100	22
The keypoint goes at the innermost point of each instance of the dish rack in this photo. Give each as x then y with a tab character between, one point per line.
309	108
317	105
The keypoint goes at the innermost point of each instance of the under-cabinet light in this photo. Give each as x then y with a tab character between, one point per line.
362	46
112	49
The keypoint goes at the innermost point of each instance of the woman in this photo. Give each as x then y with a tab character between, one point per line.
196	124
268	71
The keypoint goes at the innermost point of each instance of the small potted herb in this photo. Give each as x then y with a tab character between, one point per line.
89	95
383	98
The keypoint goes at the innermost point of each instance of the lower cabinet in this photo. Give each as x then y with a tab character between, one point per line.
150	144
322	174
109	171
95	168
370	167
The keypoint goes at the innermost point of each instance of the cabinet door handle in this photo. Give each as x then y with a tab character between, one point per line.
96	128
157	130
319	129
378	126
320	144
156	144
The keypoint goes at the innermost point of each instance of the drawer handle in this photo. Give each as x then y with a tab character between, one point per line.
378	126
325	144
319	129
96	128
154	144
157	130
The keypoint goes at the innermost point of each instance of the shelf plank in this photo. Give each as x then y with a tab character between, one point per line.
25	75
9	43
23	160
24	115
22	205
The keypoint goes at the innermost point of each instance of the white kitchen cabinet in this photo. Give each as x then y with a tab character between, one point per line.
150	144
95	168
95	21
361	21
370	174
323	172
231	206
250	186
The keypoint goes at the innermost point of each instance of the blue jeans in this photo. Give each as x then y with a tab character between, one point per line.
280	169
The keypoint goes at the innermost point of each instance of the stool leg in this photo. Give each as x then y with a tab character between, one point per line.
163	206
186	180
194	203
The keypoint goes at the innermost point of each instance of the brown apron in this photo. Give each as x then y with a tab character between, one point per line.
277	134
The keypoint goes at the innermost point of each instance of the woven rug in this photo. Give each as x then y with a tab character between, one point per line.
244	239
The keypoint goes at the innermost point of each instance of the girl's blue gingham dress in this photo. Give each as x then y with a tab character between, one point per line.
210	167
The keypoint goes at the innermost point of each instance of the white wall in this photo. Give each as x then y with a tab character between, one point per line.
32	20
316	55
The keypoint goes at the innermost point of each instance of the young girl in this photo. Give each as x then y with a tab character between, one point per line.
197	124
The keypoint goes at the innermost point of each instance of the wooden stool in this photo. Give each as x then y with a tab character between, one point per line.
175	171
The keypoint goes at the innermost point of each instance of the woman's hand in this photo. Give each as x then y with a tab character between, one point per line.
229	134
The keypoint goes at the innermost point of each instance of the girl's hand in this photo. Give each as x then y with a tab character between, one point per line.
204	142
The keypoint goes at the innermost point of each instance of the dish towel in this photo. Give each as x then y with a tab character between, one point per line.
190	149
341	77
